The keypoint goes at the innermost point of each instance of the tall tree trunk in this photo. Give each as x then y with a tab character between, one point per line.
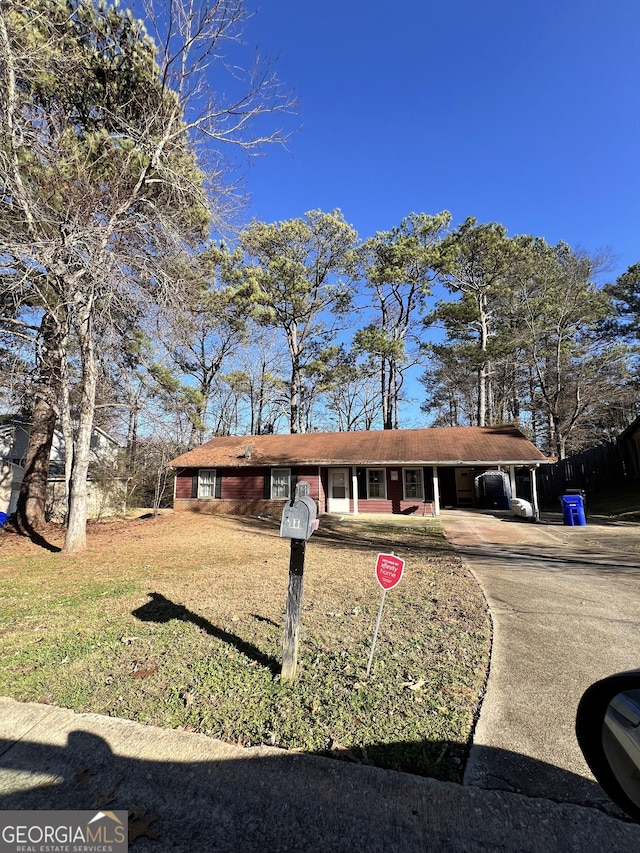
259	404
294	404
387	409
559	437
66	422
490	417
30	511
294	385
396	396
535	417
76	537
132	436
482	371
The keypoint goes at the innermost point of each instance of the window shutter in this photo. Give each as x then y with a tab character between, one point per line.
293	481
362	483
266	485
194	485
218	487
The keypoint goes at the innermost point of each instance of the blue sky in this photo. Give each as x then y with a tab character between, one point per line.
526	113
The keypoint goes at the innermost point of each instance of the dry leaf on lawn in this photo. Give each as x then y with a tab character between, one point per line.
143	673
106	797
82	777
340	751
140	825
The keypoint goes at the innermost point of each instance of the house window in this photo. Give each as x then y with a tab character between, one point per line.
376	484
280	483
207	483
413	484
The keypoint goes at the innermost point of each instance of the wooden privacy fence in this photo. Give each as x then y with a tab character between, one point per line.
597	468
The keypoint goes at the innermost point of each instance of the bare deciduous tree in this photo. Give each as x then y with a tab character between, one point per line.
103	133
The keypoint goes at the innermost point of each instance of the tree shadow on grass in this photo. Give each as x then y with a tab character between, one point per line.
363	534
161	610
259	618
32	534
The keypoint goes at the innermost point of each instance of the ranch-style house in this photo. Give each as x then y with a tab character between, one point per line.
410	472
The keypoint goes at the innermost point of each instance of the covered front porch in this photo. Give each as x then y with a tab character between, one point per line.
425	490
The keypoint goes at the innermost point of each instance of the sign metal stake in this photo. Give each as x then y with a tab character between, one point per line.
375	633
389	569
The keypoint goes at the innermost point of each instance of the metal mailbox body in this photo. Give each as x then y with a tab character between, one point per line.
299	515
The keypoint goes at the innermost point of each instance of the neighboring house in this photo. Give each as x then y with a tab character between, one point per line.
106	490
391	471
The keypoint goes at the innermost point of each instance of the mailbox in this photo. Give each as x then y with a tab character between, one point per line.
299	515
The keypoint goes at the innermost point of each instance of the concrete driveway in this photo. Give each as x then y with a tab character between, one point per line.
565	604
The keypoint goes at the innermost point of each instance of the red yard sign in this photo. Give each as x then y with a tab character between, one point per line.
389	570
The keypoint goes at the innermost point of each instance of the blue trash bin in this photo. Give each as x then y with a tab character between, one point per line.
573	510
4	517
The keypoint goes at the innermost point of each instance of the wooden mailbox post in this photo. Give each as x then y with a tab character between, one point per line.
298	523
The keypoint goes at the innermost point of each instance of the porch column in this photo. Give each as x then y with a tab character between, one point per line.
534	493
436	491
354	489
512	477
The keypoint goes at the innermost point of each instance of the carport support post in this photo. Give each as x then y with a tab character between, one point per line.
534	494
294	610
436	490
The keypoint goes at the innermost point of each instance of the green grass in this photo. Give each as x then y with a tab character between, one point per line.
204	662
26	601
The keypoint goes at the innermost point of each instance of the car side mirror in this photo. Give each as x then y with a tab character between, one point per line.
608	732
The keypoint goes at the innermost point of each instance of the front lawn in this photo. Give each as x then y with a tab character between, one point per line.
177	621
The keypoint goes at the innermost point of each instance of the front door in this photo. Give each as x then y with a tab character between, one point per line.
464	486
338	490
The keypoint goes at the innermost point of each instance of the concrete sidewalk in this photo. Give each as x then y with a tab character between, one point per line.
199	794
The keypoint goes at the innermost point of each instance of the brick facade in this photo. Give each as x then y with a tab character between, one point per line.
227	507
